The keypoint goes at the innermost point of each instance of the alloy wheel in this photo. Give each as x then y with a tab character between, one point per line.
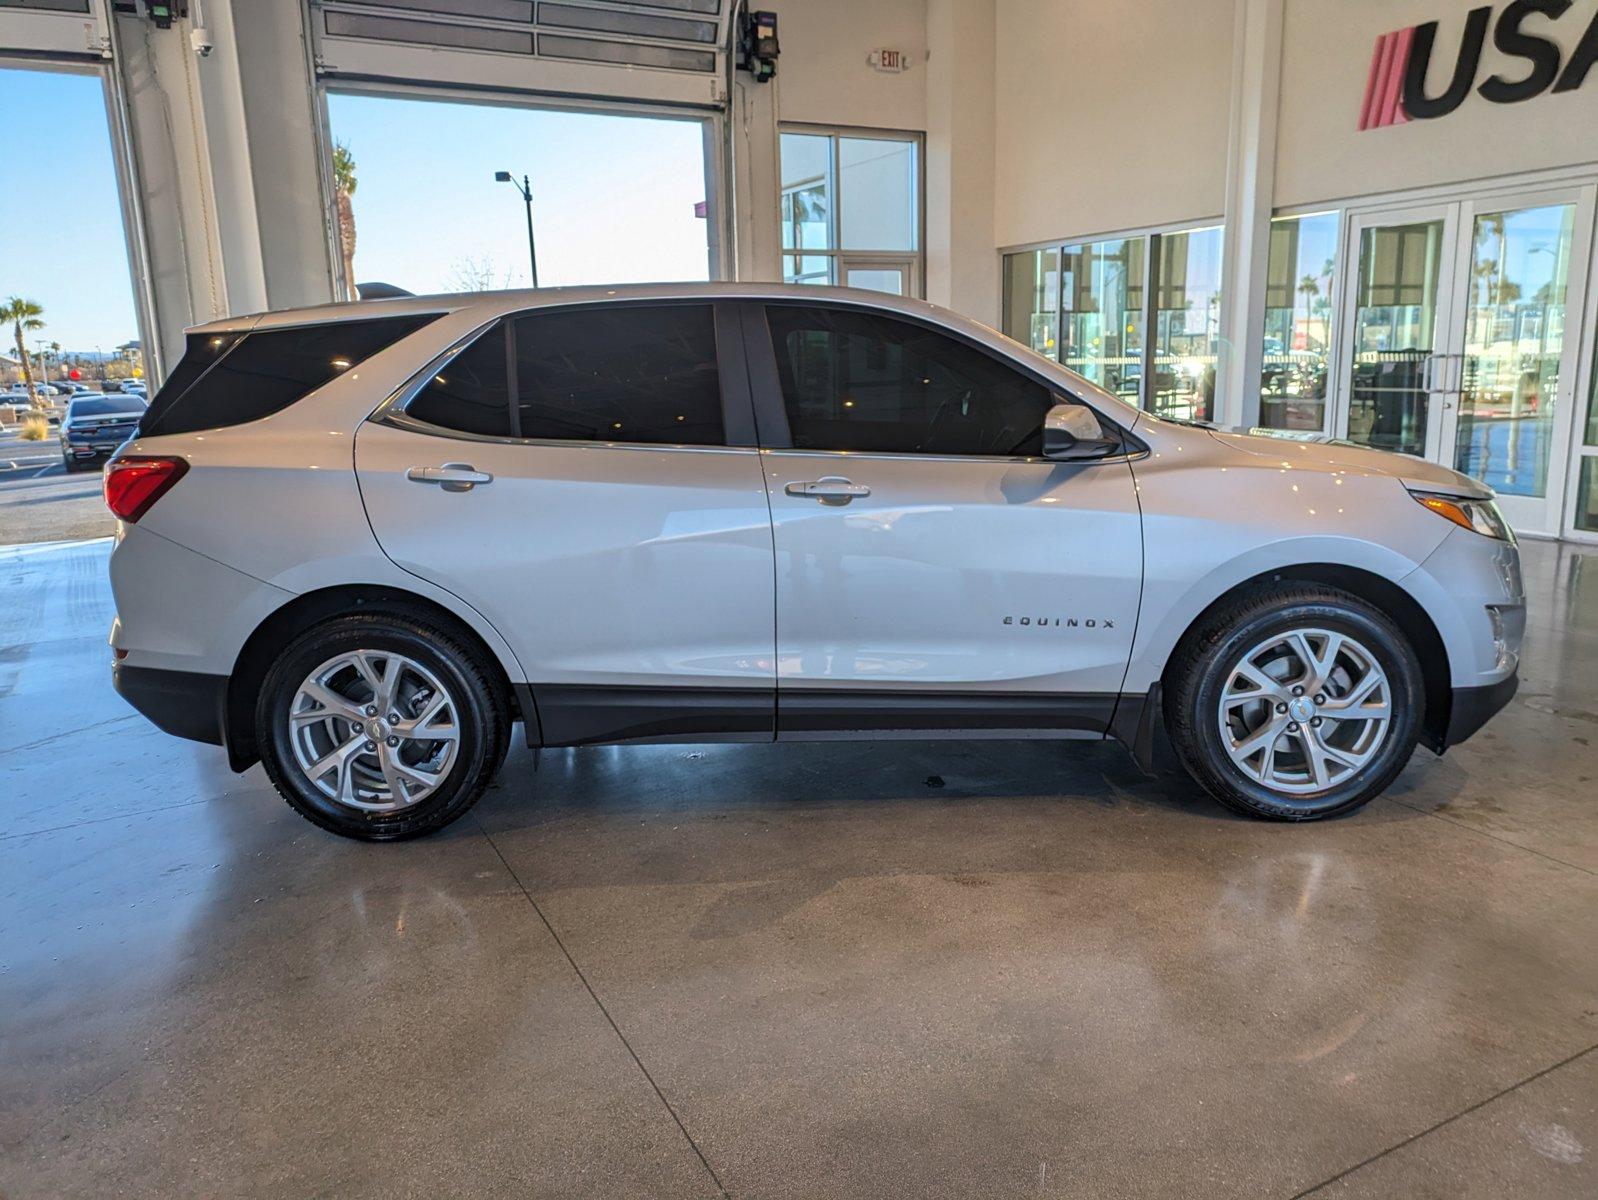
374	730
1305	710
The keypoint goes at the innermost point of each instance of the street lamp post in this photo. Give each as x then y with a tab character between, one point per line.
525	188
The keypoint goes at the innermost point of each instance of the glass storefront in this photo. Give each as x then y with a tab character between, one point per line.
1032	299
1301	268
1101	327
1088	305
1514	339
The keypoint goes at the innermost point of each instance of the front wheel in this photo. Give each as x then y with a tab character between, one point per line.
1294	702
380	726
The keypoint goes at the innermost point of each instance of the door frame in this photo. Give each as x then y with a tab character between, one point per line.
1552	515
1545	515
1342	376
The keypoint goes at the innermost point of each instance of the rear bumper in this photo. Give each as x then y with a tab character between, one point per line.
184	703
1473	707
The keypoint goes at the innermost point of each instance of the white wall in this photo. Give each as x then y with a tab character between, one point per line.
1326	55
823	76
1110	116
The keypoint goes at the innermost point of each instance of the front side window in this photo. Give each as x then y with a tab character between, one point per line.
865	382
644	373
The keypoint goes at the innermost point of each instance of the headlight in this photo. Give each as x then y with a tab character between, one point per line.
1479	516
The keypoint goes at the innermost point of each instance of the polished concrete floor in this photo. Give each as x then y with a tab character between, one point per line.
810	971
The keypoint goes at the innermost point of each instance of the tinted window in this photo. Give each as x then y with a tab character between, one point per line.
200	351
620	374
859	381
469	393
102	408
266	372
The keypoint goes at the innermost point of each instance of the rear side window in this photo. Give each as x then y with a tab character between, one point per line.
265	372
201	351
624	374
469	394
627	373
860	381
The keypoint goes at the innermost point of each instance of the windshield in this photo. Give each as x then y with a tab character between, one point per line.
104	408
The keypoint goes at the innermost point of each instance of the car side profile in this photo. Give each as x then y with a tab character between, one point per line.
359	543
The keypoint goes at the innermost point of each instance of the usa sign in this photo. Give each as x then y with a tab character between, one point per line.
1395	89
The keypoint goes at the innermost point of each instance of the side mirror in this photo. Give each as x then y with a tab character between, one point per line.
1072	432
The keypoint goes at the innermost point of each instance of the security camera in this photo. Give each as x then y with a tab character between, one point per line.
201	41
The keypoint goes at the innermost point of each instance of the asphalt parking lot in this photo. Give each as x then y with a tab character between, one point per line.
40	501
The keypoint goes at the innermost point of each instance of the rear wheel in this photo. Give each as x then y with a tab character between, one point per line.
380	726
1294	702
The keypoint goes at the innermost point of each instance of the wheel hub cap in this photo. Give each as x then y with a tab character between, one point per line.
1301	709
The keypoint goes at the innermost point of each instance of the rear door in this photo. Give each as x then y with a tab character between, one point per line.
933	572
587	479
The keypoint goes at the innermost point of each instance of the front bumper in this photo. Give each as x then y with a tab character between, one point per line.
1473	707
186	704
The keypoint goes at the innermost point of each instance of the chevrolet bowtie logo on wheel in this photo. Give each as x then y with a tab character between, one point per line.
1395	88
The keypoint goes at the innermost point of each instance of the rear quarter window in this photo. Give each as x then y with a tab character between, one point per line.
223	382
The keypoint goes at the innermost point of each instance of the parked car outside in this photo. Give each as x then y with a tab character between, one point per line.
95	426
360	542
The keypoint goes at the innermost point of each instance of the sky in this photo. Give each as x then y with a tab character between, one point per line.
61	238
613	199
613	196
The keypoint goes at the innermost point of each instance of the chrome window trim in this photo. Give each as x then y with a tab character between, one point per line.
1013	460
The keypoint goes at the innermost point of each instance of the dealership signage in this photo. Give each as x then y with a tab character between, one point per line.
1395	89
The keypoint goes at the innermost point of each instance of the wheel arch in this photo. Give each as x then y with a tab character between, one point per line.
287	622
1411	618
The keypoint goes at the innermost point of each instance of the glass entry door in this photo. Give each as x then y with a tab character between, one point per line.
1456	340
1395	378
1511	427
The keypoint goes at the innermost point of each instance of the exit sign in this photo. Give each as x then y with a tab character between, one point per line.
889	60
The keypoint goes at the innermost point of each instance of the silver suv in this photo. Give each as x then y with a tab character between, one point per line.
360	542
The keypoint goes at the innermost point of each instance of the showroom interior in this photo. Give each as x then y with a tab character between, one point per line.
895	968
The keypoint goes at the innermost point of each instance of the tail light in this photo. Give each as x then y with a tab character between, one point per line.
132	485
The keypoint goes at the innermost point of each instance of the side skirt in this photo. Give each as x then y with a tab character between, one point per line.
579	714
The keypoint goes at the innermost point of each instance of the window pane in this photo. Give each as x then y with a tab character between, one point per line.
857	381
876	279
200	351
1102	330
1587	495
268	371
806	192
621	374
806	268
1187	321
1395	323
1514	337
877	193
1032	299
1298	321
469	394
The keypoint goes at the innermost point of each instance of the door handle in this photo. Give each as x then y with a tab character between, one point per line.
829	489
452	477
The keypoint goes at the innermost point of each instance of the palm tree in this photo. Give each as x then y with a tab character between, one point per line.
24	316
343	193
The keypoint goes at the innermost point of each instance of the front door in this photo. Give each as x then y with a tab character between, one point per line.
1456	337
932	571
586	479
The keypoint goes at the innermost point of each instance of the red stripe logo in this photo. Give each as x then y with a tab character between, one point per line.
1384	86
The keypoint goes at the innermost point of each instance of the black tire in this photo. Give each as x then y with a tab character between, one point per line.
482	718
1203	665
70	464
